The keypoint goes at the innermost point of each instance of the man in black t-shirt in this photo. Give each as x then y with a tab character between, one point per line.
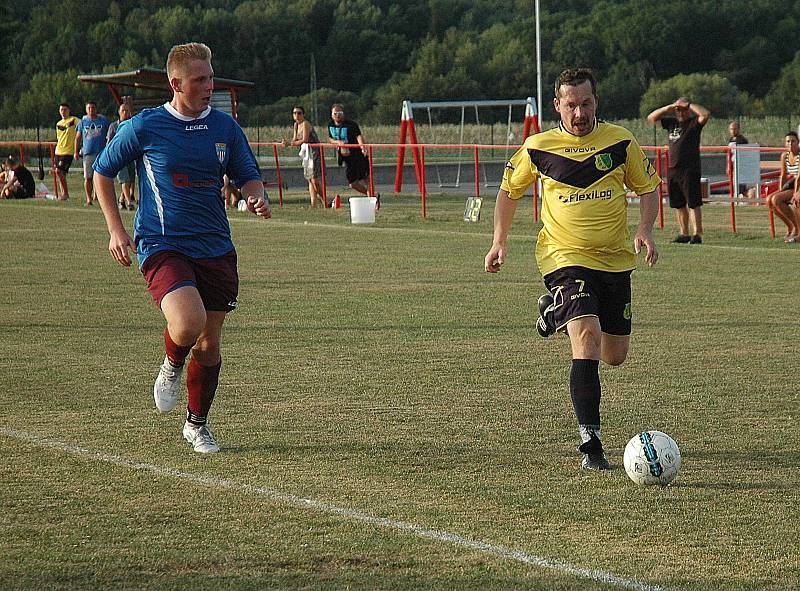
343	131
20	184
684	164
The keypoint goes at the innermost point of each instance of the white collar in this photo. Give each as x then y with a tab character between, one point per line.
172	111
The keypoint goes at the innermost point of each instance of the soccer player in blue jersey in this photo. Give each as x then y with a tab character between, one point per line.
182	237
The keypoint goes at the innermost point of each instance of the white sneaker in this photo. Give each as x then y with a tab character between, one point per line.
201	438
167	386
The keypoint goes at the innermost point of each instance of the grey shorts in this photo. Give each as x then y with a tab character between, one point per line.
88	160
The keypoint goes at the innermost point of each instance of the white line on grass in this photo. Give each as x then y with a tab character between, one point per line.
351	514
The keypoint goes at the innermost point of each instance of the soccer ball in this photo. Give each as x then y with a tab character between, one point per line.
652	457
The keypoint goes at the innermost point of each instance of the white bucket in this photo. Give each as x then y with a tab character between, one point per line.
362	210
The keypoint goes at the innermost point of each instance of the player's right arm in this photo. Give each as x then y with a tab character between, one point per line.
519	174
124	149
504	209
120	241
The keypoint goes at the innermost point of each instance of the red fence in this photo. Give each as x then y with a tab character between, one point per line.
659	154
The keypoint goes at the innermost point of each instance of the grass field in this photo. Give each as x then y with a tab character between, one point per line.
389	418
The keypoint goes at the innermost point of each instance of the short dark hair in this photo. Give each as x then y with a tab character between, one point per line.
65	105
91	103
575	77
299	108
793	134
11	160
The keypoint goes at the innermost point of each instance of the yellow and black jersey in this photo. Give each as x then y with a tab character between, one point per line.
66	129
584	180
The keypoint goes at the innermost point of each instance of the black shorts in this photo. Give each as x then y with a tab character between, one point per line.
579	292
684	188
63	162
356	167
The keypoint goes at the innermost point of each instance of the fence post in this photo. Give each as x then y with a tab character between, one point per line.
278	173
424	182
324	176
371	173
477	173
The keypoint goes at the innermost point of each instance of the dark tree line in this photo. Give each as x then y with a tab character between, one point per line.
738	55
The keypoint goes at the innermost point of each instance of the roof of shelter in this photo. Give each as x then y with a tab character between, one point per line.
155	79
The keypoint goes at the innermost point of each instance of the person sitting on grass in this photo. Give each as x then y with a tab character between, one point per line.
781	201
19	183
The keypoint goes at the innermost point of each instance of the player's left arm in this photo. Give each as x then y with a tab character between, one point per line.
242	166
648	209
257	201
642	178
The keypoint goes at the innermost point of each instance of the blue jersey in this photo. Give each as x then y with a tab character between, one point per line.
181	162
93	134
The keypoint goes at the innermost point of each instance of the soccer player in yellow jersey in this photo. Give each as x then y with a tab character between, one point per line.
584	251
66	129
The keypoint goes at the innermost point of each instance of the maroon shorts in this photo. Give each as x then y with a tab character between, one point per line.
216	279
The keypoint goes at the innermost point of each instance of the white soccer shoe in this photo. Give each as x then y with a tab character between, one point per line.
201	438
167	386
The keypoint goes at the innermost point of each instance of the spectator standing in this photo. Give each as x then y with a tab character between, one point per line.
303	133
783	200
736	139
685	197
66	129
126	176
90	140
19	181
183	238
584	250
341	132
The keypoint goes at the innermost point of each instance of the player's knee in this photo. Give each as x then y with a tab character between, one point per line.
615	357
188	328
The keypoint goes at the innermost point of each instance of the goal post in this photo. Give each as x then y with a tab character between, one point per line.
408	133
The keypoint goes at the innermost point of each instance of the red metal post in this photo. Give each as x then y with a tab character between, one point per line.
412	135
371	175
324	176
477	174
422	180
278	173
53	169
660	189
401	156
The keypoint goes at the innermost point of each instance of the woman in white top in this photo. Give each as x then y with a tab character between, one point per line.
303	133
782	200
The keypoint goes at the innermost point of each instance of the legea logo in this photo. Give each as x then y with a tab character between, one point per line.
197	127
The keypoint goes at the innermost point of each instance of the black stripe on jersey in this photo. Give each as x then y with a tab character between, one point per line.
581	174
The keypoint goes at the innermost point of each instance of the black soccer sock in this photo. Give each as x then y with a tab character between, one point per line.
584	388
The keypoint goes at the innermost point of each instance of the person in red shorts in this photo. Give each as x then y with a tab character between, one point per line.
183	150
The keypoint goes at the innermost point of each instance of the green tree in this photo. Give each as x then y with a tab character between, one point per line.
782	98
713	91
39	106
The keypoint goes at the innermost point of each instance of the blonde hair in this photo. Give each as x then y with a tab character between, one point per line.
181	55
